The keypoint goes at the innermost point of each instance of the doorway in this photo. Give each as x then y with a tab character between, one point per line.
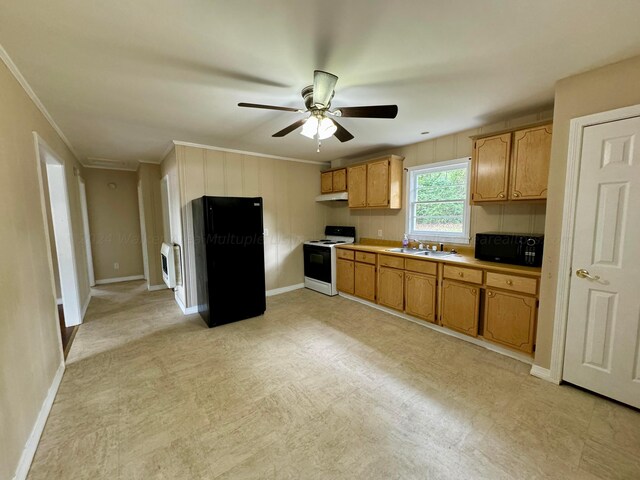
51	170
601	253
143	235
87	233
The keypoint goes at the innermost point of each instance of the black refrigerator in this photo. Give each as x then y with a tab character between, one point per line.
229	251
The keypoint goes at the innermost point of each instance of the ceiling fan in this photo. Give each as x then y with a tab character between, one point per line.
317	101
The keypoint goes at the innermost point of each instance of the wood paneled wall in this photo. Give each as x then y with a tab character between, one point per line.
291	214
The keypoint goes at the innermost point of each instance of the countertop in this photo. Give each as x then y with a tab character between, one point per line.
456	259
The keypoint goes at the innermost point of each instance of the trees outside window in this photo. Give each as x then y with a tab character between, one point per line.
439	200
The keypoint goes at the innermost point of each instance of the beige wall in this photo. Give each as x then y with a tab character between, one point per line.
114	223
30	352
528	218
149	181
291	214
607	88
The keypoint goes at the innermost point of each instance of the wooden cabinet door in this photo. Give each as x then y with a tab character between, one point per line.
420	296
344	276
357	186
326	182
340	180
391	288
460	303
509	319
491	168
365	281
378	184
530	163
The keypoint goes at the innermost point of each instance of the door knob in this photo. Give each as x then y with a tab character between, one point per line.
582	273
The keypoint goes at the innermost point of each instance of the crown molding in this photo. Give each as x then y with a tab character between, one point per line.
34	98
244	152
167	150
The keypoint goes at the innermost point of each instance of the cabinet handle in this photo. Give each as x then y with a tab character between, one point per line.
509	282
501	195
516	194
460	274
491	294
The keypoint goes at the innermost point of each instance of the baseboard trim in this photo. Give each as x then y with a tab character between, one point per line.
281	290
185	310
153	288
32	442
543	373
86	305
119	279
475	341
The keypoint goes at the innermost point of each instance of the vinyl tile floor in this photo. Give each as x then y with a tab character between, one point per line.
317	388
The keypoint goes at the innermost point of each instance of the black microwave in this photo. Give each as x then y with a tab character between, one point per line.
515	248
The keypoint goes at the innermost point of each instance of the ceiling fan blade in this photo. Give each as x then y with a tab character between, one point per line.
290	128
323	85
268	107
374	111
342	133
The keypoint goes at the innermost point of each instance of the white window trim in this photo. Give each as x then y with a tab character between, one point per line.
461	238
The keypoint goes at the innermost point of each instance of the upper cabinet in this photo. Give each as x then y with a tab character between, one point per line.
357	186
491	168
530	163
512	165
376	184
333	181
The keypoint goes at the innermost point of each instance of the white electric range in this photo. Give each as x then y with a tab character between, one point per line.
320	259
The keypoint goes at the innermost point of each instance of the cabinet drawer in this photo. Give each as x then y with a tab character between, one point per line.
420	266
365	257
346	254
390	261
512	282
463	274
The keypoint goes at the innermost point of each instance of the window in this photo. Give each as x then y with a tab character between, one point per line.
439	201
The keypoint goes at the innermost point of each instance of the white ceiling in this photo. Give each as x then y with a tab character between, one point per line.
123	78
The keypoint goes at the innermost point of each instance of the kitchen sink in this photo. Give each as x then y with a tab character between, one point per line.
432	253
424	253
412	251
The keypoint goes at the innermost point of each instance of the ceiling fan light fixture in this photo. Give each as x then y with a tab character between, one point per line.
326	128
310	127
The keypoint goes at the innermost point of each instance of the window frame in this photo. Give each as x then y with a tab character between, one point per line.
450	237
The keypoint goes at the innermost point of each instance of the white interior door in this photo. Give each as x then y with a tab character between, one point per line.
602	351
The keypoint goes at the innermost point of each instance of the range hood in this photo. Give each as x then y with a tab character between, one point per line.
333	197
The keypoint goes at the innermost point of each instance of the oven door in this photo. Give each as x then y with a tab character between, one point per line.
317	263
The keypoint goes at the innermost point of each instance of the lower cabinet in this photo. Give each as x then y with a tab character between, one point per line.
365	281
420	296
509	319
509	309
344	277
391	288
460	304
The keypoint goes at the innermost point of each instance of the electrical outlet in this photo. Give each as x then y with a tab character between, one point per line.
116	266
379	233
